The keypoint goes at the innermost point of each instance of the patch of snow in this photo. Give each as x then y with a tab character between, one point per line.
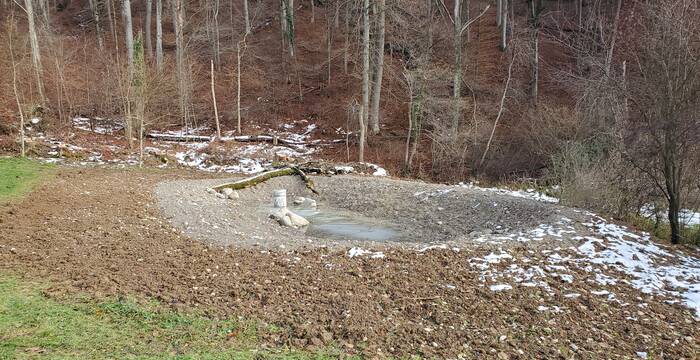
606	251
527	194
358	252
343	169
687	217
97	125
655	270
378	170
500	287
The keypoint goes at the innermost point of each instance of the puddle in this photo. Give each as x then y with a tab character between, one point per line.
346	225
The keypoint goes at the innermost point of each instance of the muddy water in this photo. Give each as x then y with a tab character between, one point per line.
346	225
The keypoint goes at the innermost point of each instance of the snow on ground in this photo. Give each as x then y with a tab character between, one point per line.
378	170
607	255
97	125
528	194
359	252
687	217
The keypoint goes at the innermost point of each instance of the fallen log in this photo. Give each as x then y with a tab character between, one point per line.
179	138
242	138
262	177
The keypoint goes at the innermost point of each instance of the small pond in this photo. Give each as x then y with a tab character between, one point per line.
344	224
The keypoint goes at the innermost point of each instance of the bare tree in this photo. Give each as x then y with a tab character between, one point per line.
246	15
10	30
36	54
149	11
96	19
240	49
379	67
663	133
504	24
501	108
534	11
178	8
287	24
213	99
128	35
159	34
364	111
458	29
457	82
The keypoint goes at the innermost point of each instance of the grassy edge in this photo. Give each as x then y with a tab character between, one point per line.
32	325
18	176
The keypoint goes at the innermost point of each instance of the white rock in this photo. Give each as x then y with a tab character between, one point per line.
285	217
227	191
305	202
234	195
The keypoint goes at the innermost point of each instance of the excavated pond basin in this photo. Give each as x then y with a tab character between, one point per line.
345	225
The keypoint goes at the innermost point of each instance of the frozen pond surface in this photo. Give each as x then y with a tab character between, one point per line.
345	225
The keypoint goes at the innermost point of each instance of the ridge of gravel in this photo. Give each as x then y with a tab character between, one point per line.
422	214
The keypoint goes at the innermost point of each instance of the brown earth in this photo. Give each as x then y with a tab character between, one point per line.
99	231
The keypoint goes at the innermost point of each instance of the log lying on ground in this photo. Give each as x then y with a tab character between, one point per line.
257	179
242	138
179	138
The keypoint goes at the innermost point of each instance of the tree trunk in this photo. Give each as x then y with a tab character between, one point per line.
329	39
674	219
499	12
239	54
534	19
291	31
14	88
457	84
504	25
128	36
217	46
139	90
36	55
178	23
108	6
407	150
96	19
283	21
363	135
213	98
672	176
609	58
247	16
346	48
159	34
500	112
535	67
379	67
313	11
364	112
149	45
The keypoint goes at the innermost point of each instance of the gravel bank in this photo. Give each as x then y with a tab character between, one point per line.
421	214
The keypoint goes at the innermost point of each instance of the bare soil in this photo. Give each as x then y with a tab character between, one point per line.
101	232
